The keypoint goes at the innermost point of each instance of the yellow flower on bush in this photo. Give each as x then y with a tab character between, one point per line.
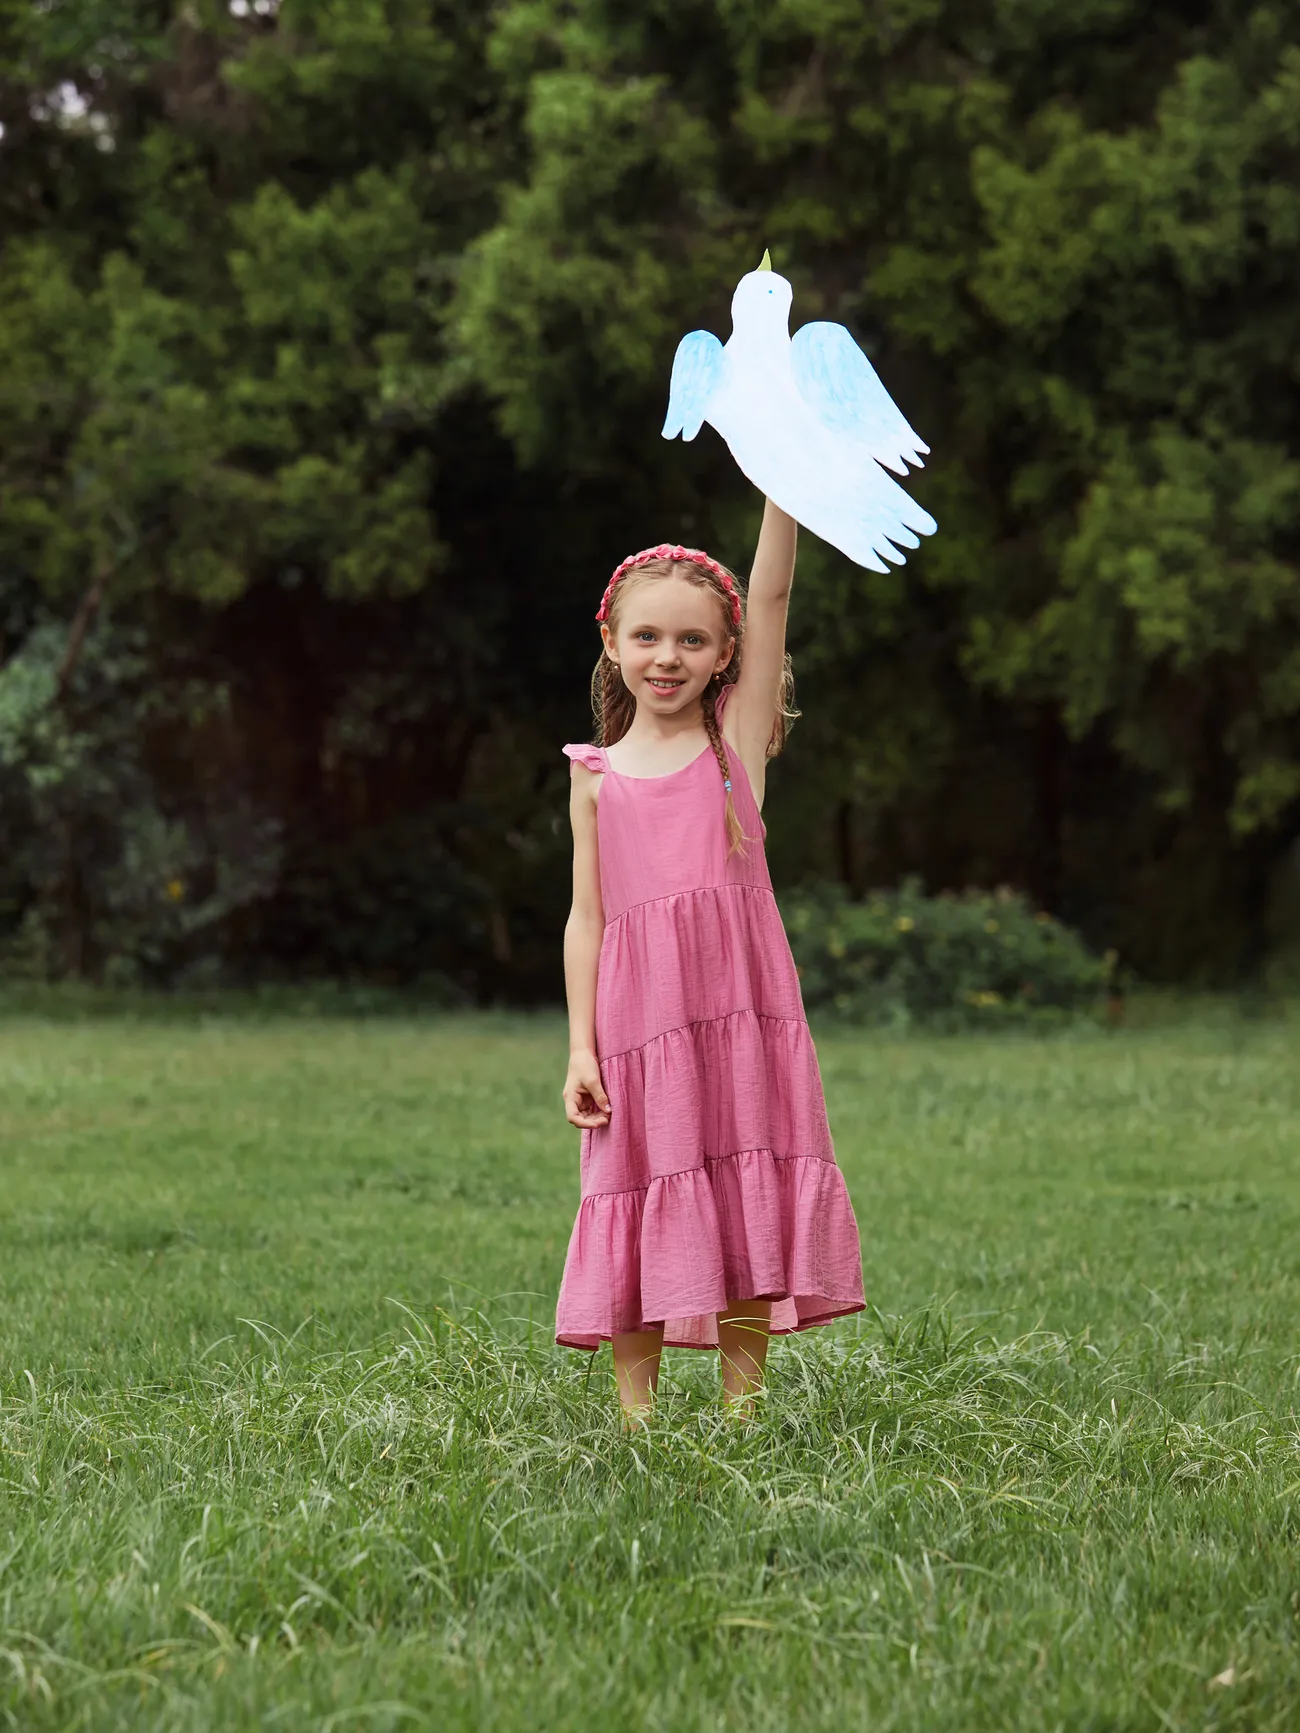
905	923
990	926
176	889
984	999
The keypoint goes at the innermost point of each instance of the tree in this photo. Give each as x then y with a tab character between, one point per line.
333	346
1069	234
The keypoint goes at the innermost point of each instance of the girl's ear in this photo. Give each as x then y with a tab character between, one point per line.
726	655
607	639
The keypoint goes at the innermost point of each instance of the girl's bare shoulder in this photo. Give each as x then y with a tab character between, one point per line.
584	787
587	765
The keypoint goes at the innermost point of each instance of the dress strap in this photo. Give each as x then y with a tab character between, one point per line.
592	756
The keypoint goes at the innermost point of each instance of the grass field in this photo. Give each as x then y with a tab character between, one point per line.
284	1441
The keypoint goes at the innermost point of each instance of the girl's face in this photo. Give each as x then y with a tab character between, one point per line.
669	643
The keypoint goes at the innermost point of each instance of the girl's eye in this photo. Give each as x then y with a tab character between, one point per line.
694	640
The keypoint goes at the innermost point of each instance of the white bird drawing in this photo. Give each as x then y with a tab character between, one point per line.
807	419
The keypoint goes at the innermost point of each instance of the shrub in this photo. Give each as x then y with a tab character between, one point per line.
978	959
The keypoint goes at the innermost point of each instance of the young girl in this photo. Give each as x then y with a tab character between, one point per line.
712	1208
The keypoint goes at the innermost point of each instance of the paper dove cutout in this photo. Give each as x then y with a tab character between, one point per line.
807	420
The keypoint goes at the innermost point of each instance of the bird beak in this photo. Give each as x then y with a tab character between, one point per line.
766	264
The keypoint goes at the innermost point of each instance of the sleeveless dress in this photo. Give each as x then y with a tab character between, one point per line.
715	1179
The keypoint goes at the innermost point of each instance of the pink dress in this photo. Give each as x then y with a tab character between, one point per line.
715	1179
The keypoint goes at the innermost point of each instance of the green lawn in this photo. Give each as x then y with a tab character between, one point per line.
284	1441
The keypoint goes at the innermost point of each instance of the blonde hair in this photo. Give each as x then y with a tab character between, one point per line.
613	706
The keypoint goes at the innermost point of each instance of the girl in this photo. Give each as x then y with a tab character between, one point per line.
712	1208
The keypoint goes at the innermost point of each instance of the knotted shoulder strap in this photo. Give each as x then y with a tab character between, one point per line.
592	756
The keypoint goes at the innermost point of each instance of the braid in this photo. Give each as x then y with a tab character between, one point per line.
709	705
612	705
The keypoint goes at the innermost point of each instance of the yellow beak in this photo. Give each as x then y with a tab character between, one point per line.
766	264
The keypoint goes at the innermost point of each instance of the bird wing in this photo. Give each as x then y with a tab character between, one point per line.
866	515
699	368
878	520
843	390
827	481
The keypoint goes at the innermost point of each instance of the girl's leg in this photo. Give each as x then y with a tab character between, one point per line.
636	1370
742	1343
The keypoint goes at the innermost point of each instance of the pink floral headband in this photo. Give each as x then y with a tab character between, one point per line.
666	551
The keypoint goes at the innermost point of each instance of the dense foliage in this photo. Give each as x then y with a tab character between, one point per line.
974	961
333	344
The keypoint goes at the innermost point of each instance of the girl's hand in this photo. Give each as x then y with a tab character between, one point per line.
586	1104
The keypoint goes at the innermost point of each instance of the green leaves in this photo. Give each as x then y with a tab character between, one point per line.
1110	257
563	310
981	960
330	305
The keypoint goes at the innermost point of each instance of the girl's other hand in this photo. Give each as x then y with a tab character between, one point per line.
586	1104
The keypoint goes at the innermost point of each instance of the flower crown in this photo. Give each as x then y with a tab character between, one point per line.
666	551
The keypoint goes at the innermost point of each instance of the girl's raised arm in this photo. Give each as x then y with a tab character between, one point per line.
751	711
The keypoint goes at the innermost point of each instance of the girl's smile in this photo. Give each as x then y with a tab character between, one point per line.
671	640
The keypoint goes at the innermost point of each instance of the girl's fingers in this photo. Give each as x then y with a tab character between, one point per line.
586	1105
582	1110
593	1090
585	1114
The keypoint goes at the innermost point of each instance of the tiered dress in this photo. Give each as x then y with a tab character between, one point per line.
715	1179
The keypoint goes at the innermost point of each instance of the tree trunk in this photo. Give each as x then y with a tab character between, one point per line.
82	621
74	901
846	852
